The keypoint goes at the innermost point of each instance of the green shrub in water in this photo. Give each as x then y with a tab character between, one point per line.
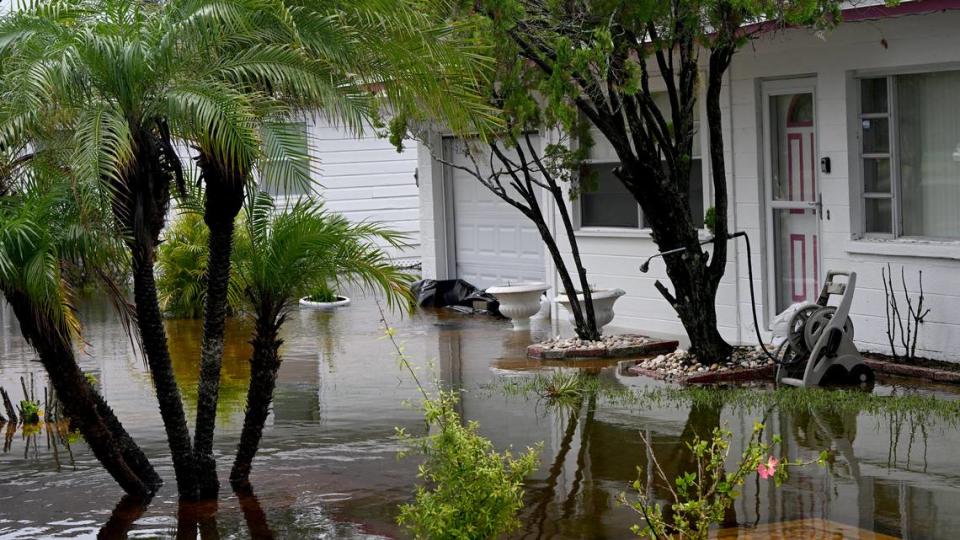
702	497
470	490
182	269
323	294
30	411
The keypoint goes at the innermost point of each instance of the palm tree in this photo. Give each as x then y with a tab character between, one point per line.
282	256
32	258
322	55
127	80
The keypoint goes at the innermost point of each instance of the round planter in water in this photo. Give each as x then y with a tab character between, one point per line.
603	300
325	306
519	302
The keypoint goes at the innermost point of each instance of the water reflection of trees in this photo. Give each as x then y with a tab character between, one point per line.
194	519
604	451
124	515
184	344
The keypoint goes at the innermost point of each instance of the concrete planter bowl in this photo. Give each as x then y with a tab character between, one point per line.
325	306
519	302
603	300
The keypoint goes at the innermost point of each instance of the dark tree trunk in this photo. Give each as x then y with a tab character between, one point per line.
140	205
223	199
590	316
76	396
154	339
694	280
580	325
131	451
654	147
585	323
264	365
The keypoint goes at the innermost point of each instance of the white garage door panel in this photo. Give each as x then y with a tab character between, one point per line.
495	243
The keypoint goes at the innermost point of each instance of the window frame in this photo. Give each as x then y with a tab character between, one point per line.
895	197
641	230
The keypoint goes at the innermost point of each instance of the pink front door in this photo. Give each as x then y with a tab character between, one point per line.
793	196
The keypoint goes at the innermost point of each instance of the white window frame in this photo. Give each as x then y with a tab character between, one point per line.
860	227
640	230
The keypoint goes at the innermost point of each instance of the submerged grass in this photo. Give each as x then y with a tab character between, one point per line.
919	406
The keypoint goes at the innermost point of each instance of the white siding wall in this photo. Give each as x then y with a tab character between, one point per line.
366	179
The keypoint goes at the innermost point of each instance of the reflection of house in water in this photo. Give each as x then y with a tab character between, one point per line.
299	382
297	398
591	454
878	480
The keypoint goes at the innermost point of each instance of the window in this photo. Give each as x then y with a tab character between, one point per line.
609	204
290	179
910	155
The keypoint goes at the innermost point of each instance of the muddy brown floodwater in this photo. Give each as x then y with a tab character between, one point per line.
328	465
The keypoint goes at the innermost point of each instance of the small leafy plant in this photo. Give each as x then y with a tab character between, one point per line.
561	387
323	294
710	220
702	497
469	489
30	411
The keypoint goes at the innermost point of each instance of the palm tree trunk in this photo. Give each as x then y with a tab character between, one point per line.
222	202
74	392
131	451
140	200
264	365
154	338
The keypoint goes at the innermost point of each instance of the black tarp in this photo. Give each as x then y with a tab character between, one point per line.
450	292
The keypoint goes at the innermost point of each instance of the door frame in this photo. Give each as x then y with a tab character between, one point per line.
768	89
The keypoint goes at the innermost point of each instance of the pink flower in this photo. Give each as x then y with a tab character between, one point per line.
768	469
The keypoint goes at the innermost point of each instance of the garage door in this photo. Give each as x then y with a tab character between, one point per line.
495	243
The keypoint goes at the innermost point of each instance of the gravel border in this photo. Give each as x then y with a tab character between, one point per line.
651	346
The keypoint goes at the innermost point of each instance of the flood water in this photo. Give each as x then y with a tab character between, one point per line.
328	463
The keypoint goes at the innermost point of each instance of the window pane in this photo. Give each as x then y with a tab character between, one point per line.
608	203
876	135
879	216
929	123
876	175
792	147
873	95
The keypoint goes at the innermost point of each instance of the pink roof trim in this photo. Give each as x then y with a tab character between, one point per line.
904	8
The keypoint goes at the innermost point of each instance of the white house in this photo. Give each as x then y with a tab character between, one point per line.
843	152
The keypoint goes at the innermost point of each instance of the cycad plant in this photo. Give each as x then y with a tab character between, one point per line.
283	255
33	257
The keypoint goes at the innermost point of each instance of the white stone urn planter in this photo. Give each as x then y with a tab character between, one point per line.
519	302
325	306
603	300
